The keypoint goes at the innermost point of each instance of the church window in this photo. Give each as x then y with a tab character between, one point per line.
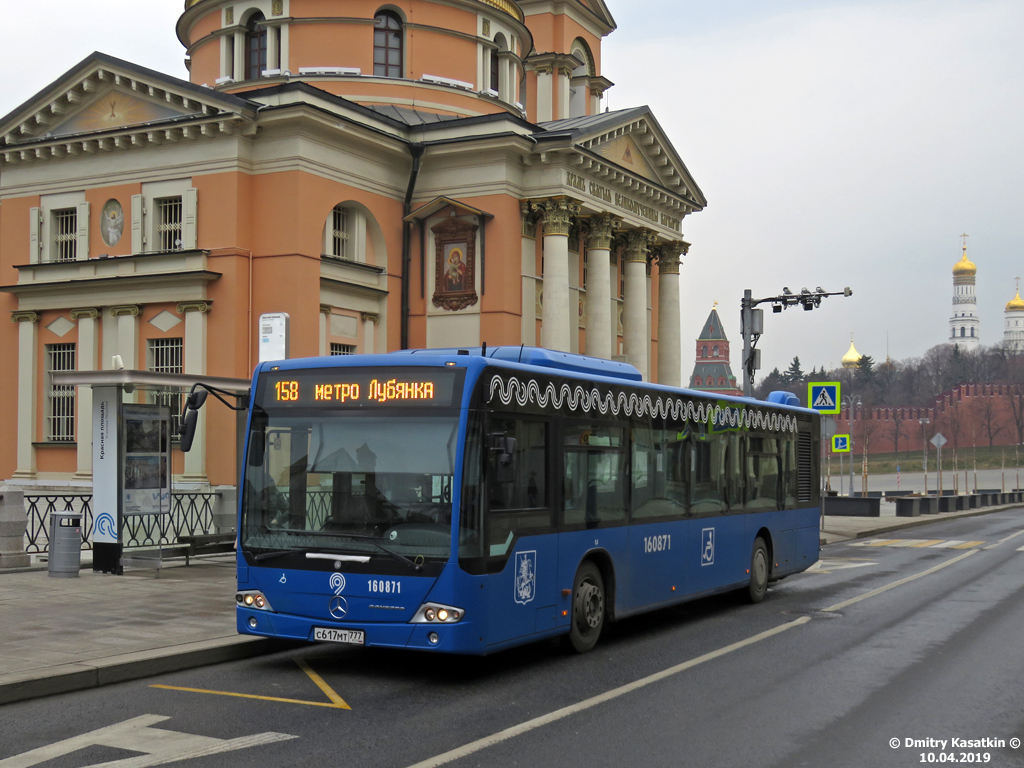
704	350
60	399
387	45
345	233
972	333
962	331
168	223
65	234
714	351
495	66
255	46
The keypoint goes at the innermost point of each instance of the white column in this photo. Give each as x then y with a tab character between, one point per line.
528	256
670	353
194	362
600	328
127	317
545	98
370	320
558	317
28	339
239	55
88	351
325	318
634	320
564	92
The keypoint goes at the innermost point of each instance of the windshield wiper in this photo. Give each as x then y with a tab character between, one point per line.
389	552
281	553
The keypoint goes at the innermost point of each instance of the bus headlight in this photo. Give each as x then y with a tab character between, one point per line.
435	613
253	598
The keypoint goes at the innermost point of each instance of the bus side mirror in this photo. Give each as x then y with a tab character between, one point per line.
187	430
257	448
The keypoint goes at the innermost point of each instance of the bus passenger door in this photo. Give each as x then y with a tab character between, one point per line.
657	536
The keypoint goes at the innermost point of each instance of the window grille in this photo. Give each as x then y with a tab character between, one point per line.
168	223
65	230
165	356
60	405
342	349
340	233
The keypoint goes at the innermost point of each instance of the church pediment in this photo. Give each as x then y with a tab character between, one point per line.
629	143
105	95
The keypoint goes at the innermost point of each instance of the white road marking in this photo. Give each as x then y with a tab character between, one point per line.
827	565
900	582
559	714
1005	539
948	544
159	746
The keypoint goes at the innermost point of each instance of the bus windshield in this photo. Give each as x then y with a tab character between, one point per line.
370	485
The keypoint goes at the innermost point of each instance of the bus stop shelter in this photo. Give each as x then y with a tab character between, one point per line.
131	444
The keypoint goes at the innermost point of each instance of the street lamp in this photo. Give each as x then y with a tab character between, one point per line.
924	421
752	322
851	402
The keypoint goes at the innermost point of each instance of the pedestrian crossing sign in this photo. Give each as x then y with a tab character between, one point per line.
823	396
840	443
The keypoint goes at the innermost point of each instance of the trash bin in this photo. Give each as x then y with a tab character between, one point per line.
65	544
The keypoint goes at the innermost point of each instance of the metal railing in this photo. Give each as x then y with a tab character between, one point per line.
191	514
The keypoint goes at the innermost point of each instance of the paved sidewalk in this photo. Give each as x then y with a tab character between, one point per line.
66	634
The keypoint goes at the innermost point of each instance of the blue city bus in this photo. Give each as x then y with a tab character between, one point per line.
466	501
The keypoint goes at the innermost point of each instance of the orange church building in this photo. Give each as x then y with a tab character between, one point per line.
417	174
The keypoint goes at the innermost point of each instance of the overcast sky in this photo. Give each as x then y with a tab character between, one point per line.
837	143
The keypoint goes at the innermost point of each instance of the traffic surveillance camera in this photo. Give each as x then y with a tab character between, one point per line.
787	292
808	306
847	291
819	289
776	308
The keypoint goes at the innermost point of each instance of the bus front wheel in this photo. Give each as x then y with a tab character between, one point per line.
758	571
587	608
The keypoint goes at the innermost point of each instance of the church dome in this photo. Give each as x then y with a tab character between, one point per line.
852	358
1016	304
965	266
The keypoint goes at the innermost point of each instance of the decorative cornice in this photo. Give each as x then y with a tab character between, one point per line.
88	312
370	317
529	219
125	310
670	256
23	316
193	306
325	309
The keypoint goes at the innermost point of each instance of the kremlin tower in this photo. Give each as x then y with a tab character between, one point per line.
1013	328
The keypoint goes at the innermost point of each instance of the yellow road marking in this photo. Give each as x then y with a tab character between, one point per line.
336	701
968	545
322	685
1005	539
251	696
883	542
926	543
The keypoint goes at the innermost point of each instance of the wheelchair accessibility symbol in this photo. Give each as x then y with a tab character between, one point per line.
707	548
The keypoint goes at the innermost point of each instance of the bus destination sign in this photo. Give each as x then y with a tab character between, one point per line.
361	387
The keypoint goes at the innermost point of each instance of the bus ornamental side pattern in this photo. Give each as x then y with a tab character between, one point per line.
579	399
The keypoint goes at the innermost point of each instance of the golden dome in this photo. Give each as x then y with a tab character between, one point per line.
1015	304
852	358
965	266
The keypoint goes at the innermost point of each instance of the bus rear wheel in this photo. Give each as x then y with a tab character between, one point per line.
759	566
587	608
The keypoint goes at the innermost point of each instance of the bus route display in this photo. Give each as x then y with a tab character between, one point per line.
362	387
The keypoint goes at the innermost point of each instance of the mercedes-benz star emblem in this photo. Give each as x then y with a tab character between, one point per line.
338	607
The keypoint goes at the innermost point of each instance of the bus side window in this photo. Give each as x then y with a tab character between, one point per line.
516	482
706	470
595	477
659	487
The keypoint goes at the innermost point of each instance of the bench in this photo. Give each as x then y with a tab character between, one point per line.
207	544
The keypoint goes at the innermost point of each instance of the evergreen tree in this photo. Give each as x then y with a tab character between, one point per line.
793	374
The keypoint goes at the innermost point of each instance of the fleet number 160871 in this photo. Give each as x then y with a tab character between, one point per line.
657	543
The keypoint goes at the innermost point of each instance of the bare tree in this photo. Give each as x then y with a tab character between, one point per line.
898	428
987	417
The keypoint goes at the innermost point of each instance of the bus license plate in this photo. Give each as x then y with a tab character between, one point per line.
356	636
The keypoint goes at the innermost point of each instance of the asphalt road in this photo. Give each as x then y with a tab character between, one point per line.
918	643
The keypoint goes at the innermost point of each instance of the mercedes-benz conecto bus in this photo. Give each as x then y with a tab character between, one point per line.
465	501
